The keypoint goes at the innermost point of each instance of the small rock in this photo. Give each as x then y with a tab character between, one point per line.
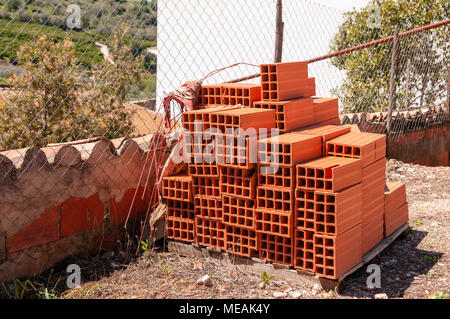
288	290
278	294
316	288
381	296
295	294
205	280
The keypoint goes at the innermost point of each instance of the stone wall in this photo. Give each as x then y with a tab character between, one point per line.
68	199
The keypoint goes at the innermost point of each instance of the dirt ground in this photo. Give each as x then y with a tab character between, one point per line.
414	266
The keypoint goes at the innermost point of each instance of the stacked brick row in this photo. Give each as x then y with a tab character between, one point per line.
313	197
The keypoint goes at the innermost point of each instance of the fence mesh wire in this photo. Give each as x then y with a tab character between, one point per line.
69	71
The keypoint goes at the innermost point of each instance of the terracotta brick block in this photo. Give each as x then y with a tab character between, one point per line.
289	149
44	229
395	218
326	132
373	182
244	94
283	177
211	94
238	182
329	174
335	255
189	118
372	233
290	114
284	81
368	147
304	250
372	209
238	212
278	199
203	170
394	195
304	215
207	207
180	229
178	188
241	241
240	151
81	214
274	222
325	109
209	233
335	213
206	186
180	221
243	118
276	249
180	210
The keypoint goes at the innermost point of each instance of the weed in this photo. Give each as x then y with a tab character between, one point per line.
439	295
265	280
430	258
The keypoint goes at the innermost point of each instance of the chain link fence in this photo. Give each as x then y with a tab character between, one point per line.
81	148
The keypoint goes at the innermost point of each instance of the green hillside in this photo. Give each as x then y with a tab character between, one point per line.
22	20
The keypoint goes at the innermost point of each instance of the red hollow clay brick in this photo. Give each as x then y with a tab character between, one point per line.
373	182
211	94
335	255
329	174
240	151
206	186
244	94
369	147
208	207
326	132
289	149
238	212
180	221
238	182
180	210
335	213
243	118
81	214
203	170
209	232
284	81
304	249
304	209
178	188
325	109
274	222
180	229
394	195
276	249
290	114
283	177
241	241
278	199
44	229
394	219
372	233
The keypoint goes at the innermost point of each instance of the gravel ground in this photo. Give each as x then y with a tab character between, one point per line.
414	266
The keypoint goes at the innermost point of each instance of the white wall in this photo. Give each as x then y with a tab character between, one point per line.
196	37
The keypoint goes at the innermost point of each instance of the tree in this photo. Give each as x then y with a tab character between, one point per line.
51	105
366	85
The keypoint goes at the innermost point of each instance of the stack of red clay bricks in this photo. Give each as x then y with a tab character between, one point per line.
313	197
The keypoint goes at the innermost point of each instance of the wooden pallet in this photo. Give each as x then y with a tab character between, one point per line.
257	266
